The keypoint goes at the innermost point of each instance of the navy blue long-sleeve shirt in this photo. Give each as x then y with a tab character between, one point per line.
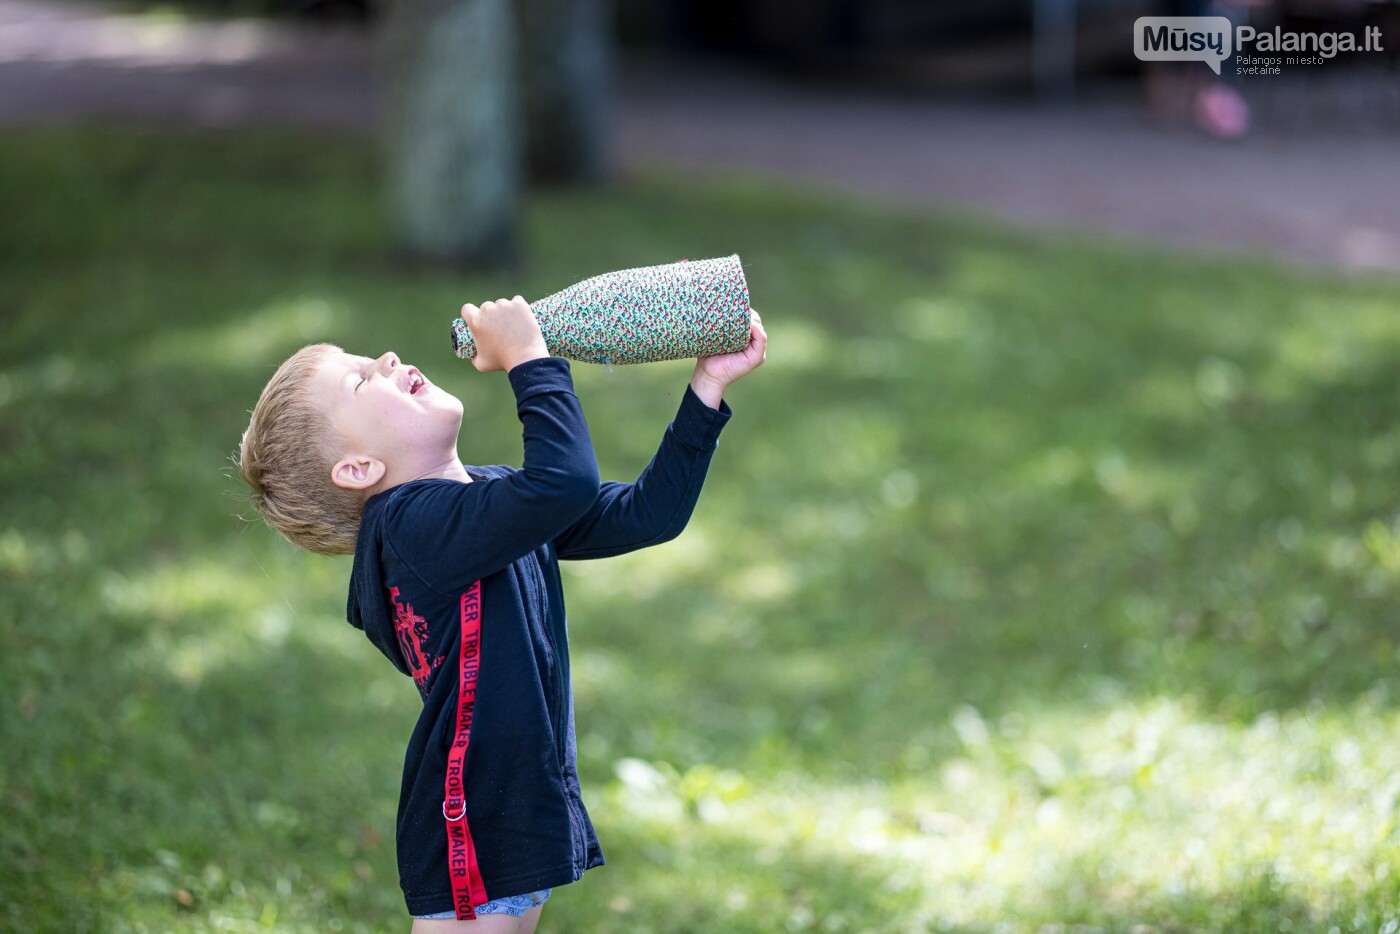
423	544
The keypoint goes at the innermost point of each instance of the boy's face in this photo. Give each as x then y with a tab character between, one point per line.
387	410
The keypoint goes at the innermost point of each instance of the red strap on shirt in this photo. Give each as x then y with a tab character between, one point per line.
468	890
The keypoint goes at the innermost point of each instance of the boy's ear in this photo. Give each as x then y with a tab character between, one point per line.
357	472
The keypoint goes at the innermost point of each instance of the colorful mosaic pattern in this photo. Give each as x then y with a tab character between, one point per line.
693	308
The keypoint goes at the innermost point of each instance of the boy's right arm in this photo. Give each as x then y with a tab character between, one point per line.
452	534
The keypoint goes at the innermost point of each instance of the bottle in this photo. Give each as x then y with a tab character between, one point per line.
693	308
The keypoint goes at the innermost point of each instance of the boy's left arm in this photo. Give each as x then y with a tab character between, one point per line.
654	509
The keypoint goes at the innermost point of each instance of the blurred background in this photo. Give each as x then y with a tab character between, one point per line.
1033	111
1045	581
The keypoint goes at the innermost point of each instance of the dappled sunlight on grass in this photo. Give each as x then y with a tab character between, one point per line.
205	615
940	319
174	592
1312	349
247	338
1135	806
649	574
763	582
804	345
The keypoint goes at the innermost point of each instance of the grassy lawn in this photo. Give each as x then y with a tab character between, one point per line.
1039	585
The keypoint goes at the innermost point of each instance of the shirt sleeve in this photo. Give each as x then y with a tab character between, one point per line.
654	509
451	534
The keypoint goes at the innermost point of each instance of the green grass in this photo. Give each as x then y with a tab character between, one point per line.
1039	585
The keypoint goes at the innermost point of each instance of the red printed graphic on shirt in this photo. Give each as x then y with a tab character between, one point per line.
412	631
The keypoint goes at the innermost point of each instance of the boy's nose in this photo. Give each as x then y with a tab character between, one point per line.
388	361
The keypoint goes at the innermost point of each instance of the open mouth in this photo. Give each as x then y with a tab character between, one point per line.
416	382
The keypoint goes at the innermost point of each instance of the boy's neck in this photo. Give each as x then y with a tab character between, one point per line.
449	469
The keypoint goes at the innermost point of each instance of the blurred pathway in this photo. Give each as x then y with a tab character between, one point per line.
1097	165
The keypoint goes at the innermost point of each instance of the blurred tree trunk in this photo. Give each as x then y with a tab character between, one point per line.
453	130
564	66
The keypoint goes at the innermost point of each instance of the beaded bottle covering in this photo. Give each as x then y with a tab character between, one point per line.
693	308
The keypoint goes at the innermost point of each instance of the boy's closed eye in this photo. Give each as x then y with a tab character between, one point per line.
365	371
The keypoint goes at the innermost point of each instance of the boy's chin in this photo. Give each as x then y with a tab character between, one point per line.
445	410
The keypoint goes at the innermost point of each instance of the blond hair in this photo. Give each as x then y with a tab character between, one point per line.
286	458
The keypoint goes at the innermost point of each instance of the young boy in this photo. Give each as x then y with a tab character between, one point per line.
455	580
